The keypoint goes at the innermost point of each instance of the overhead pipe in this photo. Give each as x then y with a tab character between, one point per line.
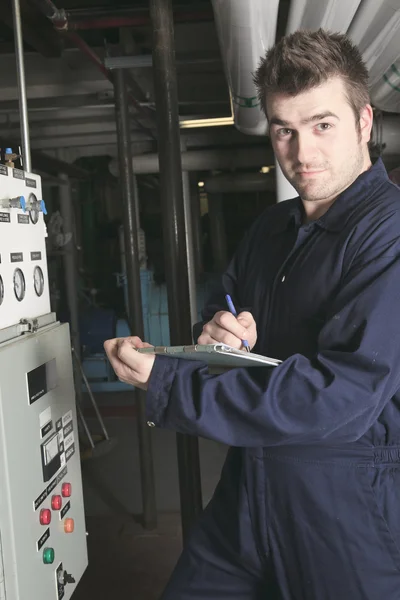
58	18
204	160
109	18
245	31
135	312
172	202
23	106
239	182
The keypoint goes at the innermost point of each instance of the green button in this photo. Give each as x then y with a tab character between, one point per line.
48	556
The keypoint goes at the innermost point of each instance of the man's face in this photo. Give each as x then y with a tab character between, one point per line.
316	141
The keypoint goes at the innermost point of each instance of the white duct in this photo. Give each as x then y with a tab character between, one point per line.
246	29
385	94
376	31
334	15
203	160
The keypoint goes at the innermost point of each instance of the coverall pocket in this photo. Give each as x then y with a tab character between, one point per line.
384	501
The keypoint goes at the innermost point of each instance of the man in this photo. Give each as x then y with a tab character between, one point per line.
308	506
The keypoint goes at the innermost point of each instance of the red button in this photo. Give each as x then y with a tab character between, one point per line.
45	516
69	525
56	502
66	490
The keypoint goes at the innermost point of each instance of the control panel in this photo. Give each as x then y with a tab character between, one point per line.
24	289
43	551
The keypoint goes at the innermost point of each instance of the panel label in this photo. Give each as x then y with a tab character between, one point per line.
46	429
70	452
69	440
3	170
68	428
16	257
23	219
5	217
43	539
30	182
64	510
67	418
40	499
41	380
36	256
18	174
62	474
51	486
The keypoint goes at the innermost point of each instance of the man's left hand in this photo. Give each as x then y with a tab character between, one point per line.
130	366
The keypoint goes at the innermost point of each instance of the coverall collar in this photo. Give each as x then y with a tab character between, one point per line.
337	215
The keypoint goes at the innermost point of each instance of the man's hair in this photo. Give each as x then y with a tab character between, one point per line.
305	59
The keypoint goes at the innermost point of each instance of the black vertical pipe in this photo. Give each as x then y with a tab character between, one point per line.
134	289
197	231
70	261
171	191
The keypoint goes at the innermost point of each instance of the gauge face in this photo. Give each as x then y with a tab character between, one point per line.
1	290
19	284
38	281
33	213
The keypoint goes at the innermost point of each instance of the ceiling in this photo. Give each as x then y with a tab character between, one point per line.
70	101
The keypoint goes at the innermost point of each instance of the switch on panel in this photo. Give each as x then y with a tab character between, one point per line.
69	525
56	502
66	490
48	556
45	516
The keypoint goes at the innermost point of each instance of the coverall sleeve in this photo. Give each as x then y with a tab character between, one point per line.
334	396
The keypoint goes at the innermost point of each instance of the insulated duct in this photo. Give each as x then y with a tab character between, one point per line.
245	31
203	160
334	15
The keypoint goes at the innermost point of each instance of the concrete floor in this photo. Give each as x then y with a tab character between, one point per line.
127	562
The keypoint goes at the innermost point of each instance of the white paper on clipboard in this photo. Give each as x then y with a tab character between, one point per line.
217	356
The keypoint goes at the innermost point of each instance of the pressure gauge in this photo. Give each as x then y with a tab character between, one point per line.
38	281
19	285
34	211
1	290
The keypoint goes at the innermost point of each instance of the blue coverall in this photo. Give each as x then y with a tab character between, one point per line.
308	505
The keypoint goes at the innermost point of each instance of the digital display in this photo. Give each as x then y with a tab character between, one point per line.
51	449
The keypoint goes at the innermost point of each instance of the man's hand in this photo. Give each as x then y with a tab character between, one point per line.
226	329
129	365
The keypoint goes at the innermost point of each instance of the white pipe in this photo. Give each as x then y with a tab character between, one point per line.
335	15
246	29
376	31
203	160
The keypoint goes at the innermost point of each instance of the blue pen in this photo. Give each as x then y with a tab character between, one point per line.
232	309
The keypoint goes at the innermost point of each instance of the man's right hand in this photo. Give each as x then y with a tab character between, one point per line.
226	329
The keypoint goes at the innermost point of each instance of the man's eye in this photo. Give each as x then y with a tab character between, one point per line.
323	126
283	132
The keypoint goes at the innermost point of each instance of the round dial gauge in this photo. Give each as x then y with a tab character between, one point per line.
33	213
38	281
1	290
19	285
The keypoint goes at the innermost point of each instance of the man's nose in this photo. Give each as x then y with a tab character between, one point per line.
304	148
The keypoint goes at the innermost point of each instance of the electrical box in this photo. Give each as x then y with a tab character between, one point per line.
43	551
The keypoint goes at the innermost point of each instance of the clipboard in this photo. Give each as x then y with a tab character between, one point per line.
217	356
